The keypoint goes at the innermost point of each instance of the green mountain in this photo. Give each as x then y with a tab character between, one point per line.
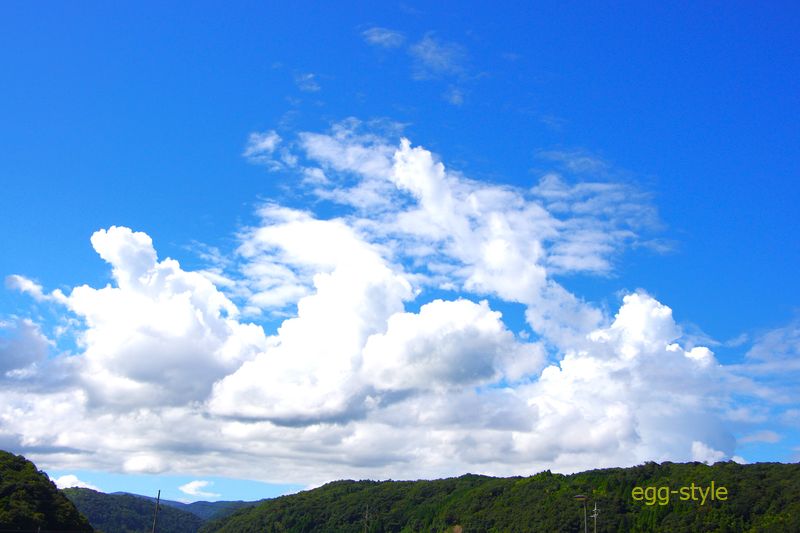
674	497
29	501
209	510
202	509
128	513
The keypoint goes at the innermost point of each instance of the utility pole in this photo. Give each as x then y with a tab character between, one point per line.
583	498
366	518
155	515
594	515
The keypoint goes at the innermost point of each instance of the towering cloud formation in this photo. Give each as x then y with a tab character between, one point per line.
162	336
393	357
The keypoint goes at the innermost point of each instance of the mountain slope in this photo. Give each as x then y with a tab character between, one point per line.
214	510
760	497
127	513
30	501
202	509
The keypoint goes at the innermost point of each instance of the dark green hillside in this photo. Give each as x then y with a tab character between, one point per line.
126	513
29	501
760	498
202	509
209	510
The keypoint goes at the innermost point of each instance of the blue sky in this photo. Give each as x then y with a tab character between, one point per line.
619	183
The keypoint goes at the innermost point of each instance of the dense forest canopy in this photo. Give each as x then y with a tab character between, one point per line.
127	513
759	497
203	509
133	513
675	497
29	501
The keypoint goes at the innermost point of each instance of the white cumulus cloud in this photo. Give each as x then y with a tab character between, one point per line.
195	488
71	480
162	335
392	357
448	344
310	369
703	453
22	346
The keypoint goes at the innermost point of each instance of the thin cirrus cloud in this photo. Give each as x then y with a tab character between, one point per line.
265	148
454	95
576	161
307	82
393	358
383	37
432	58
261	144
435	58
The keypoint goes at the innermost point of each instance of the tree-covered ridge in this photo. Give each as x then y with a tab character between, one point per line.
205	510
760	498
127	513
29	501
212	510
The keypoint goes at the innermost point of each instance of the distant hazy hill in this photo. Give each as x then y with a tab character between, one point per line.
204	510
29	501
126	513
760	497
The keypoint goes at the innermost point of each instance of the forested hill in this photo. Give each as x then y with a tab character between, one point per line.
761	497
203	509
675	497
29	501
127	513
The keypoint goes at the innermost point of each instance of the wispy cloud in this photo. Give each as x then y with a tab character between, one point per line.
435	58
432	58
261	144
761	436
454	95
35	290
383	37
577	161
781	344
307	82
264	148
